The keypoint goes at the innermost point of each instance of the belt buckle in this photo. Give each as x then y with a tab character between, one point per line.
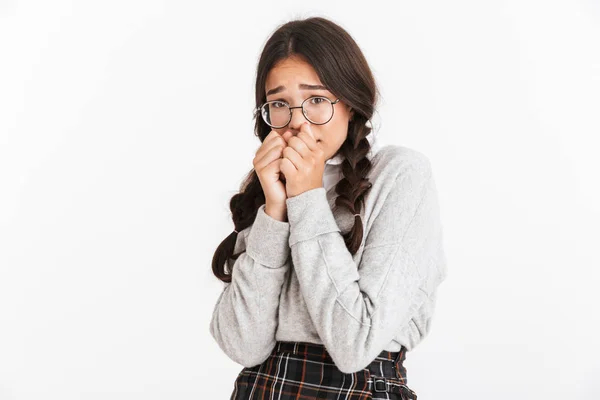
377	380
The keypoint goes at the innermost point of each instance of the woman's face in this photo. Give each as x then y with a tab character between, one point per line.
286	78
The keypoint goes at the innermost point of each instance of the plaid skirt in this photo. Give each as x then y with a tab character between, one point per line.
305	371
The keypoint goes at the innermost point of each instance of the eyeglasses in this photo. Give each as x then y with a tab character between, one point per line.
316	109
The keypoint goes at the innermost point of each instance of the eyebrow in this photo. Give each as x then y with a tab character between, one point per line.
303	86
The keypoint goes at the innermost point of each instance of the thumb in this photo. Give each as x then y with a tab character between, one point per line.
286	136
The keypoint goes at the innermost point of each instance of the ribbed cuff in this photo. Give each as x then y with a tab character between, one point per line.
310	215
267	241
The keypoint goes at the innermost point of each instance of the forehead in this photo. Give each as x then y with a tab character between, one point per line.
290	72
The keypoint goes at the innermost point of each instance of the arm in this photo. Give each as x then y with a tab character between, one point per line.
357	315
245	316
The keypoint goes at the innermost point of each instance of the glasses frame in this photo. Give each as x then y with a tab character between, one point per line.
301	106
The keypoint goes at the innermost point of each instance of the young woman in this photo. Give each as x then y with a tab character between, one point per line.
336	256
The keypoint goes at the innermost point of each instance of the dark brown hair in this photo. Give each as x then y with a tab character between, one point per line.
343	69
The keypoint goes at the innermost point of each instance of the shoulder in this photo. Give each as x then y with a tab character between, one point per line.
394	162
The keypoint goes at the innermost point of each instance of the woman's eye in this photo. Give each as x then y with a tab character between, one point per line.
278	104
317	100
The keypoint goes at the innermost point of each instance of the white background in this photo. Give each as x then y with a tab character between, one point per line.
117	163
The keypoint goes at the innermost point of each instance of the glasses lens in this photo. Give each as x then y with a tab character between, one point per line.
276	113
318	109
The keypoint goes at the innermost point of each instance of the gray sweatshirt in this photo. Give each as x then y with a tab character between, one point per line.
297	281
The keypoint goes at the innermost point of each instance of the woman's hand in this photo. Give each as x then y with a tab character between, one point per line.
303	163
267	164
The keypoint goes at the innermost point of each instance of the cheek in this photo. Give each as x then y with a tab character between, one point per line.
340	124
333	136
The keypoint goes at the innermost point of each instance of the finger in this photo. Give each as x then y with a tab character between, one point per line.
273	140
287	135
273	171
290	154
268	153
299	145
273	136
273	167
288	169
307	136
274	153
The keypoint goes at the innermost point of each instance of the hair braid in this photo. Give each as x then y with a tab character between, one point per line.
353	187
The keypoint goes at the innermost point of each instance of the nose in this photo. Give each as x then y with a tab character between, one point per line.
296	121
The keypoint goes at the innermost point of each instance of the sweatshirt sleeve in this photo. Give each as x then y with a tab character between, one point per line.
245	317
357	310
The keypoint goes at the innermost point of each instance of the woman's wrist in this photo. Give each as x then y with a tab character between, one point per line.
278	212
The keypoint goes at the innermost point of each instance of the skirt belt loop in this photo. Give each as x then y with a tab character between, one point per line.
397	361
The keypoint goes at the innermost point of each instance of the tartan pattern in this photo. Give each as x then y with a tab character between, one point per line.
305	371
